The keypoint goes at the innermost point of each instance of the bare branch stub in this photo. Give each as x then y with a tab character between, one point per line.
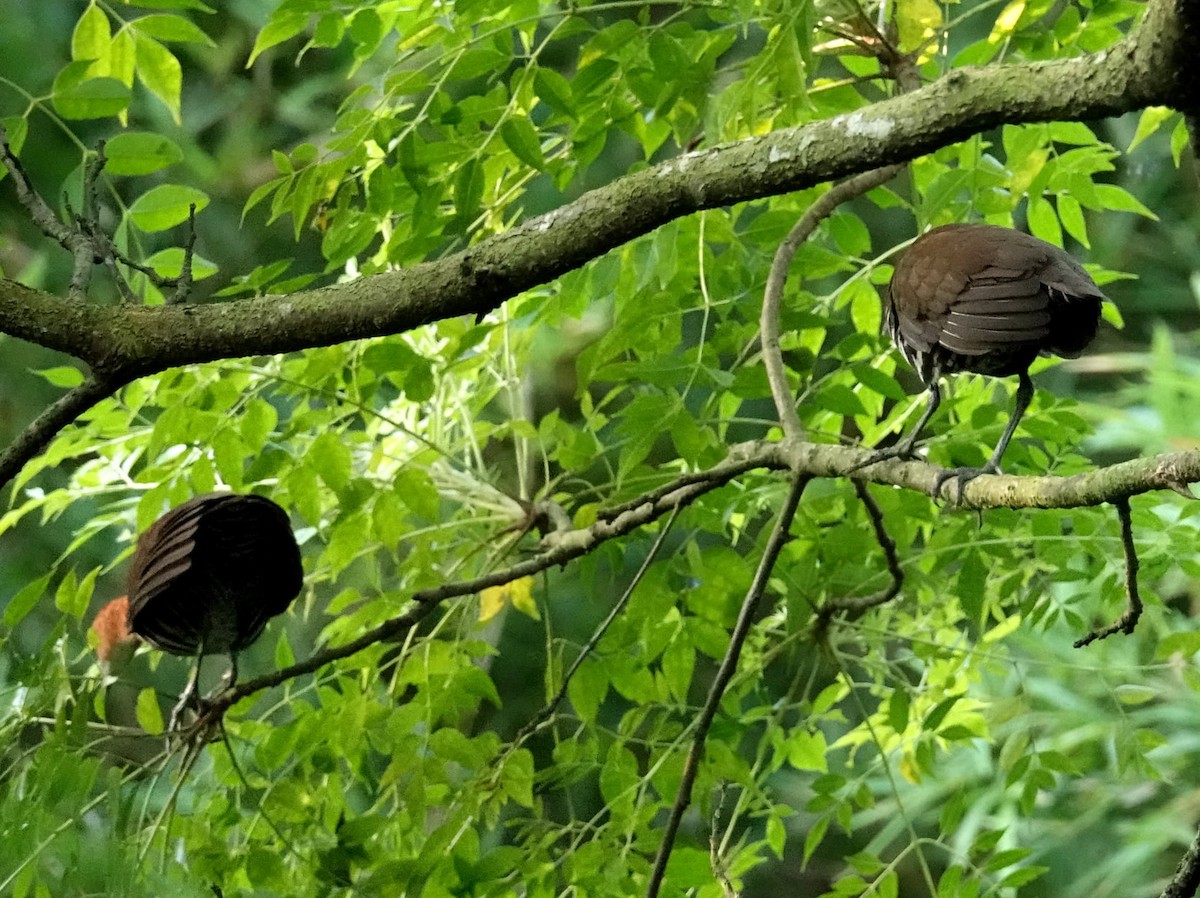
183	284
1133	610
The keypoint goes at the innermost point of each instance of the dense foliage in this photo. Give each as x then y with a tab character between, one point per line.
949	743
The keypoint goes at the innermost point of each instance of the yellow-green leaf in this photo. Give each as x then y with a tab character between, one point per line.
149	715
159	71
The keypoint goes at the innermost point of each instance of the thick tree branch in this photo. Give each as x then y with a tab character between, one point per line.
1144	69
1186	880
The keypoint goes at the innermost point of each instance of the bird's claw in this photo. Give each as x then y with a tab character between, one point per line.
904	453
961	477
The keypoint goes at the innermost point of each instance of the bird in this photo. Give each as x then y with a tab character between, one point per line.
204	579
988	300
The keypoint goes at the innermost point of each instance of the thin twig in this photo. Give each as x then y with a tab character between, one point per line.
734	465
563	549
39	213
776	542
785	402
550	707
1133	610
65	410
82	237
856	604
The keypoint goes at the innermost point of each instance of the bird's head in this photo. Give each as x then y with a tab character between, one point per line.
115	642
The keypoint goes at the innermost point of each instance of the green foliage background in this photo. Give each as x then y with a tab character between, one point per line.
949	744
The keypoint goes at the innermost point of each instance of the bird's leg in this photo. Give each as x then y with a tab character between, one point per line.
231	677
963	476
904	447
190	692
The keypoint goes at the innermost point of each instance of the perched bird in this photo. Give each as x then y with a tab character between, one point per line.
205	579
989	300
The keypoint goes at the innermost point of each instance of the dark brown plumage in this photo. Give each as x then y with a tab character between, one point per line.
209	574
206	577
989	300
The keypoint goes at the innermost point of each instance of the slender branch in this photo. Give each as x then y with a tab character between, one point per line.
785	401
775	543
1133	610
62	412
39	212
810	460
857	604
739	462
532	725
561	549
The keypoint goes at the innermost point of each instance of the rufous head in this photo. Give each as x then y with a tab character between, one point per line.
115	642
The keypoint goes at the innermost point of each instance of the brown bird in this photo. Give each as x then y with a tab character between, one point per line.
205	579
989	300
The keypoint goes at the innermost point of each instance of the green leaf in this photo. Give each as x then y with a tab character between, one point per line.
331	459
64	376
165	207
1114	197
806	751
166	27
1179	140
17	129
258	422
1071	214
74	98
25	600
1135	693
934	718
283	25
587	689
522	138
172	4
149	715
518	778
92	36
1151	119
841	399
898	706
554	90
140	153
1043	222
168	263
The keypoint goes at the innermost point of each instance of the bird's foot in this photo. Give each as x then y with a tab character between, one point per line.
189	701
961	477
905	452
